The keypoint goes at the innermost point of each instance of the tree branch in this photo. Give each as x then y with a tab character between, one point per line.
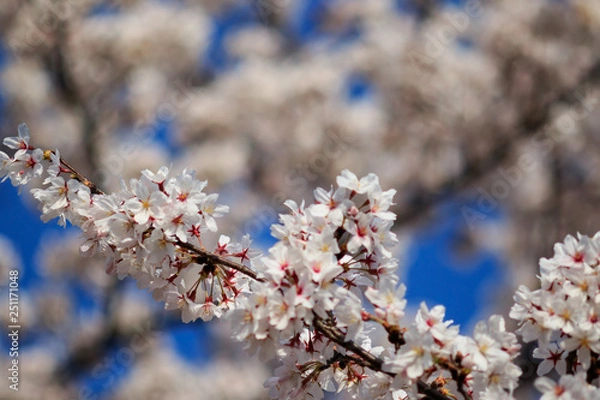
208	257
477	167
370	361
70	93
330	332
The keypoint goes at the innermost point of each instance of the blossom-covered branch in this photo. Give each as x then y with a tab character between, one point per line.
303	301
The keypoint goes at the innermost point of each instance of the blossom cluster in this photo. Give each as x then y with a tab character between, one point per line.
330	256
326	289
563	316
142	229
327	252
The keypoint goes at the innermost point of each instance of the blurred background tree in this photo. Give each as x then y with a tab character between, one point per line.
481	113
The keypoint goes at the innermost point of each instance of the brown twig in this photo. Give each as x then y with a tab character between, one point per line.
370	361
208	257
336	336
77	175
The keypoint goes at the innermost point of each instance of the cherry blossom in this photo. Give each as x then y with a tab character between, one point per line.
20	142
552	358
569	387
